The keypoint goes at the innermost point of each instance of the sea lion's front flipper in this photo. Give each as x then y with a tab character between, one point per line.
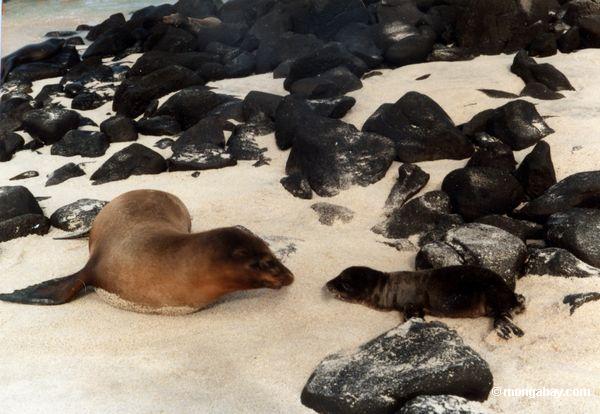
505	328
578	299
50	292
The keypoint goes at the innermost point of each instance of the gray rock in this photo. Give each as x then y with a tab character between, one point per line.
330	213
200	157
67	171
412	359
578	231
77	216
558	262
442	404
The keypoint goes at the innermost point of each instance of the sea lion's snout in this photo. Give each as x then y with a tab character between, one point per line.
277	276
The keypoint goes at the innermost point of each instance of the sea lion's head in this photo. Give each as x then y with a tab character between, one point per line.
355	284
251	263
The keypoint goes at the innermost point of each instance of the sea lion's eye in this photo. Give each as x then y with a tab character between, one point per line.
347	287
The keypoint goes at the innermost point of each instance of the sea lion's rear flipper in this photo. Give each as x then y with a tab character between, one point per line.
505	328
51	292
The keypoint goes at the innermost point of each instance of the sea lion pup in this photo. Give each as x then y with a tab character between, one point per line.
456	291
144	258
190	23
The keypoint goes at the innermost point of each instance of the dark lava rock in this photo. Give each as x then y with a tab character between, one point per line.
240	66
77	216
291	116
420	130
580	189
84	143
23	225
491	152
578	299
164	143
287	47
543	45
154	60
524	230
110	43
200	157
359	39
437	404
51	124
242	143
518	124
25	175
119	129
47	94
134	94
336	107
260	106
207	131
75	41
197	8
415	358
331	83
333	155
190	105
72	89
89	70
412	49
558	262
113	22
530	71
443	53
159	125
62	174
10	143
297	185
411	179
326	18
540	91
330	213
87	101
578	231
536	172
480	245
135	159
479	191
20	214
570	40
420	215
171	39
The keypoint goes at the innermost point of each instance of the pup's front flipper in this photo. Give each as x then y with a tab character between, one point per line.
505	328
50	292
577	299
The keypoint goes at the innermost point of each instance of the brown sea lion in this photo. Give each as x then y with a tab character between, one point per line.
143	257
456	291
30	53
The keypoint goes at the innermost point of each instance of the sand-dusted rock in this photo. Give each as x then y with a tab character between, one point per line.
524	230
529	70
297	185
416	358
62	174
333	155
331	83
447	404
134	94
580	189
518	124
479	191
540	91
119	128
23	225
200	157
331	213
411	179
491	152
84	143
50	124
536	172
420	130
20	214
336	107
431	211
135	159
77	216
242	143
207	131
477	244
554	261
292	115
10	143
87	101
158	125
25	175
259	106
578	231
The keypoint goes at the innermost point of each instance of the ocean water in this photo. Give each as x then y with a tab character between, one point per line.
26	21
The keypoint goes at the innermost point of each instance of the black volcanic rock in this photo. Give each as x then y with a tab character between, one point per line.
158	125
10	143
110	43
416	358
135	159
20	214
536	172
242	143
77	216
530	71
119	129
432	404
359	39
86	101
50	124
331	83
297	185
62	174
540	91
524	230
558	262
335	108
286	47
84	143
260	106
113	22
411	179
200	157
578	231
420	130
491	152
332	213
518	124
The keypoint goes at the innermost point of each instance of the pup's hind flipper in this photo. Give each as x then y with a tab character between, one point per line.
51	292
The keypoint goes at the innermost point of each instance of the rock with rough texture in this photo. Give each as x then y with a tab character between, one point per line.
25	175
524	230
62	174
530	71
558	262
420	129
119	129
20	214
335	107
412	49
23	225
291	116
480	245
491	152
242	143
329	84
333	155
416	358
114	21
576	300
200	157
359	39
85	143
158	125
420	215
297	185
479	191
110	43
10	143
580	189
208	131
51	124
540	91
411	179
536	172
518	124
578	231
77	216
331	213
135	159
87	101
260	107
442	404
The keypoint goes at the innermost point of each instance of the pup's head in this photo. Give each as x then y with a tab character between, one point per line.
252	264
355	284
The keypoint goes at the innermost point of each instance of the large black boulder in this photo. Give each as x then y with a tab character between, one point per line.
329	84
326	18
291	116
135	159
420	129
536	172
359	39
288	46
62	174
578	231
20	214
412	49
119	129
50	124
10	143
416	358
85	143
113	22
524	230
110	43
156	59
171	40
158	125
491	152
197	8
518	124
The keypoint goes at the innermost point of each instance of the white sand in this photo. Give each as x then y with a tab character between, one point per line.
253	352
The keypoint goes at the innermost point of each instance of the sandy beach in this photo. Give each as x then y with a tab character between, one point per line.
253	352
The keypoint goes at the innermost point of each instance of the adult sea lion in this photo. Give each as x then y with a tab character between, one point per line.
190	23
143	257
30	53
456	291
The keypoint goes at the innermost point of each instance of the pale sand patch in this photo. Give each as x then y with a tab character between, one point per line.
254	351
